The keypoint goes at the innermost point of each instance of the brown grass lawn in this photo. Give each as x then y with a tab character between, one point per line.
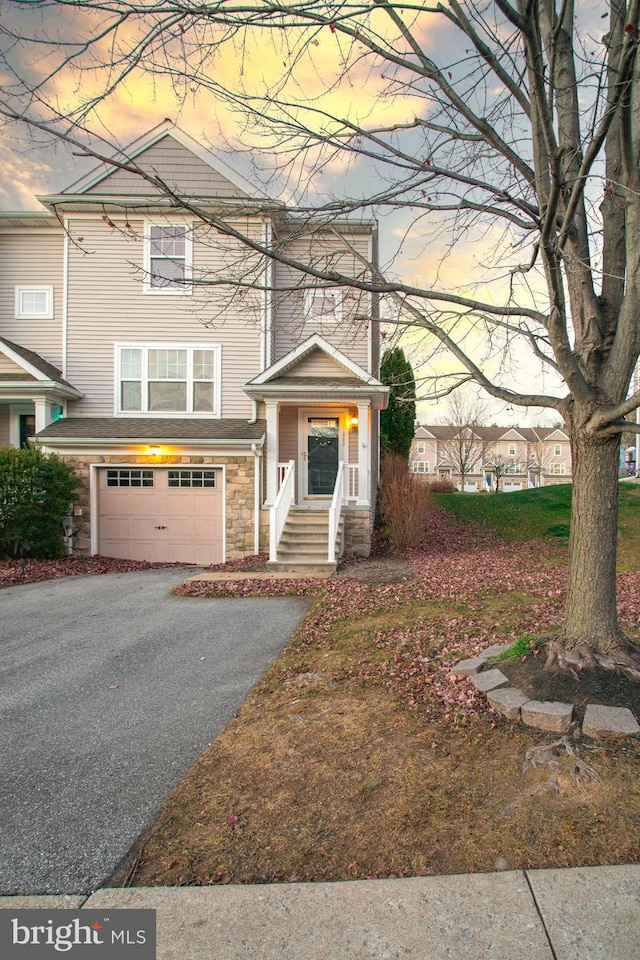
361	754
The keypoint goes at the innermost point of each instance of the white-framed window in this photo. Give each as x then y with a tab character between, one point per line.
512	449
34	302
512	468
557	450
167	379
557	469
323	305
168	256
420	466
422	447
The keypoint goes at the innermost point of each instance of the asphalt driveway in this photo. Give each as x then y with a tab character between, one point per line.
110	688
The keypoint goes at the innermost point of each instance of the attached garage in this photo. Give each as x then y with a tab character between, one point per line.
163	514
510	485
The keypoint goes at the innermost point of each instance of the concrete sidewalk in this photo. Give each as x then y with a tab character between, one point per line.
590	913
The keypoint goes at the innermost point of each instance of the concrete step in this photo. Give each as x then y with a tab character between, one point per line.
300	570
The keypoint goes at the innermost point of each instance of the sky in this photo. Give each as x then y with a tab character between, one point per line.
32	164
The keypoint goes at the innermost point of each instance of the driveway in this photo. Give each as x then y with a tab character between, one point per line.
110	688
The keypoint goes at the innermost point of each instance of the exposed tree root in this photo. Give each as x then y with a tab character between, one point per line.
582	657
581	772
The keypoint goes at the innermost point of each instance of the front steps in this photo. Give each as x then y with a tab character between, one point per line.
303	545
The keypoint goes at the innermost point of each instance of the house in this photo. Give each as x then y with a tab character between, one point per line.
513	458
215	401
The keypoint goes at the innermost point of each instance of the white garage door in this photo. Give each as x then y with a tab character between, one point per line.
162	515
511	485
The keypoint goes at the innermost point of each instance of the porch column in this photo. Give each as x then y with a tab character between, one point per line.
43	412
273	445
364	456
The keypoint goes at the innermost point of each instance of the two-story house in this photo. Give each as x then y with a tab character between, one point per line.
481	458
216	402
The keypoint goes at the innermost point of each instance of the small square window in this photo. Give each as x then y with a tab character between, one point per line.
34	303
324	305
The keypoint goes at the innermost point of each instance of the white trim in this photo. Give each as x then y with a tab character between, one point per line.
322	412
214	414
65	298
185	286
266	324
294	356
315	293
46	289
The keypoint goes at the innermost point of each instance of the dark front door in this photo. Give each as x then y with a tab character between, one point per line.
323	435
27	428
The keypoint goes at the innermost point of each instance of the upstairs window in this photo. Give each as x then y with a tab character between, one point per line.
557	450
512	449
168	259
168	380
34	302
324	306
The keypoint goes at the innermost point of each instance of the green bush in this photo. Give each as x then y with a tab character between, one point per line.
36	492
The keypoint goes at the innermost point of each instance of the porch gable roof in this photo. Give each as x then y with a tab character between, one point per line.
279	381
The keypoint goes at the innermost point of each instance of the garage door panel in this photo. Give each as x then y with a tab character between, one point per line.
159	522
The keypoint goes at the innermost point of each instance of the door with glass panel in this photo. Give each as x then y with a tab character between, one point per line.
323	441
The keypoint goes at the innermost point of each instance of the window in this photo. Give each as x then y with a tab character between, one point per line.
168	380
129	478
557	450
512	449
421	446
167	259
557	469
34	303
192	478
420	466
512	468
324	305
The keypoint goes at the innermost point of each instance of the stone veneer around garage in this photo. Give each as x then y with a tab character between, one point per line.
239	496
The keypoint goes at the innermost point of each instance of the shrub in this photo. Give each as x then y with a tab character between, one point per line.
36	492
442	486
403	502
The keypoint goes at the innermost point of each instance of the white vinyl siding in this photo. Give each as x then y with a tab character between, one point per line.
293	322
107	305
33	258
174	164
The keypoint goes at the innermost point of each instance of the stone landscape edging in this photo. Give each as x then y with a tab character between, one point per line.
549	715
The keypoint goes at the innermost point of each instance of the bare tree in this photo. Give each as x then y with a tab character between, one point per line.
465	449
515	125
498	465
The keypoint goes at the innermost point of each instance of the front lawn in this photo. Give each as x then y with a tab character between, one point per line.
361	754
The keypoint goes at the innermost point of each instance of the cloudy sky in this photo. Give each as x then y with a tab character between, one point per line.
33	164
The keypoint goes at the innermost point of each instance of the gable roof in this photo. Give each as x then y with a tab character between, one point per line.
135	151
357	383
34	365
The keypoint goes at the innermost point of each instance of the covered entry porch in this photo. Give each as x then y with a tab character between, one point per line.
321	457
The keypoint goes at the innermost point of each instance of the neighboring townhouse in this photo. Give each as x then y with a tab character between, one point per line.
216	403
513	458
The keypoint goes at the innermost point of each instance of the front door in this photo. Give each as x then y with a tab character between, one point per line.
323	442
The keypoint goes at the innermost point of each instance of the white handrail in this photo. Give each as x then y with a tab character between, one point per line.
280	510
334	512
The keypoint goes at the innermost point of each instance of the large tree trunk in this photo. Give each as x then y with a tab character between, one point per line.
591	613
590	635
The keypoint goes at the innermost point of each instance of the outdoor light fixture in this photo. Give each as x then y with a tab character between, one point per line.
353	421
155	451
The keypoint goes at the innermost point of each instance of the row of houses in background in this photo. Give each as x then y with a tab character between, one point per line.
478	458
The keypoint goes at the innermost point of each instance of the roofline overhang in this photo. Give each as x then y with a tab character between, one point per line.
377	395
104	202
131	442
36	388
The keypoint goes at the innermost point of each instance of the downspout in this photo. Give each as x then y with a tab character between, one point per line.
254	418
65	297
257	485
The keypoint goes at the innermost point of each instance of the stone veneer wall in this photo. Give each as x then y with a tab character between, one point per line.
239	496
357	532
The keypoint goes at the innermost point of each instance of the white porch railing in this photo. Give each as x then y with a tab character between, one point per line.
335	511
352	481
280	510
